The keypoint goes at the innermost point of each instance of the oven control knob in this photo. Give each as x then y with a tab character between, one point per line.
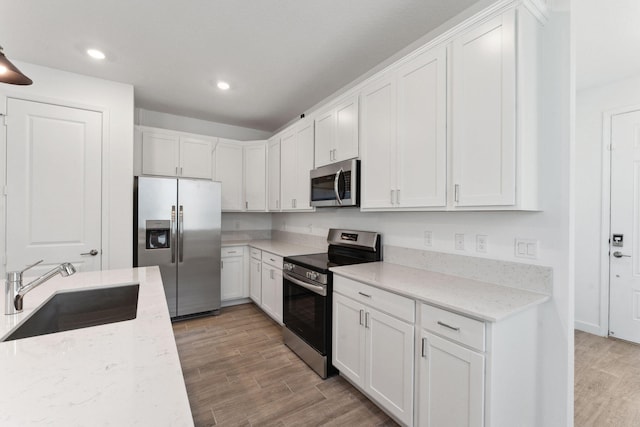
312	275
288	266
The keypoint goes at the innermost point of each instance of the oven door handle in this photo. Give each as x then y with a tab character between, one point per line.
320	290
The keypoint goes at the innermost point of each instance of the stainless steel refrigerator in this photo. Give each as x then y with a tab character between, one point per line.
177	227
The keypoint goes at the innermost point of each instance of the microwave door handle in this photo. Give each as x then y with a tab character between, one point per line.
335	186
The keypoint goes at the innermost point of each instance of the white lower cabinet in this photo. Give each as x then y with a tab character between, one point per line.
451	384
272	286
255	276
372	348
232	273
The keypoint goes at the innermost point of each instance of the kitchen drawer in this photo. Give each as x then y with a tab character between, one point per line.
232	251
454	326
256	253
388	302
271	259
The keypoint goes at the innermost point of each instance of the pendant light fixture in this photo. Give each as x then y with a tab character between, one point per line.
9	73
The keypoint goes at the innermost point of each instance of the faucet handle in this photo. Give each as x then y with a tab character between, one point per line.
31	266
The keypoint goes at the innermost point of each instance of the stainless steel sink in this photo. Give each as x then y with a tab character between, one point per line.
67	310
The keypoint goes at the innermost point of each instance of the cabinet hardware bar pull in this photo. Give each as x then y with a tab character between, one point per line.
456	193
176	170
246	205
366	320
361	313
364	295
221	264
424	347
397	196
180	170
392	196
453	328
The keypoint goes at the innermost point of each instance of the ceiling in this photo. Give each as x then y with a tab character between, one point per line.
280	56
607	41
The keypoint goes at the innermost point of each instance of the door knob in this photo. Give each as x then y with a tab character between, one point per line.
92	252
619	254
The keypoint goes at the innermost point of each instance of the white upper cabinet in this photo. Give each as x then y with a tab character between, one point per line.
168	153
296	155
255	173
404	159
378	143
273	168
195	157
336	133
493	131
228	170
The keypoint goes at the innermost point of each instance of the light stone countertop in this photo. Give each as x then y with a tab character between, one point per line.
124	373
473	298
276	247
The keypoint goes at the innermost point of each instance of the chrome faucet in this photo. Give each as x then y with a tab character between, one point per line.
14	290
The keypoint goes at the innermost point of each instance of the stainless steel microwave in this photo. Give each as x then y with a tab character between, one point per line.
336	185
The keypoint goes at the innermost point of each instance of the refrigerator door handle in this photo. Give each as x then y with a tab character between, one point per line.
181	234
172	243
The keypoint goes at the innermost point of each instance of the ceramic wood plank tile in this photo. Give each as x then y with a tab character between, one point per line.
238	372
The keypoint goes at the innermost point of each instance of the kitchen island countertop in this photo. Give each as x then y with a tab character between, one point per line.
124	373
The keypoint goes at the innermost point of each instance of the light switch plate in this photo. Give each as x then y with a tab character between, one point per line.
526	248
459	242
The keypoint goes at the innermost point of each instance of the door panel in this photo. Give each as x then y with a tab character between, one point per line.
624	282
54	173
199	220
156	198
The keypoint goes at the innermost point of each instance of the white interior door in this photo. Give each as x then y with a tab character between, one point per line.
54	188
624	259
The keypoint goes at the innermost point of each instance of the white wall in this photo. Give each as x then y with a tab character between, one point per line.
202	127
242	221
591	289
115	100
552	227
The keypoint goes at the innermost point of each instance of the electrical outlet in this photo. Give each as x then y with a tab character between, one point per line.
428	238
526	248
481	243
459	242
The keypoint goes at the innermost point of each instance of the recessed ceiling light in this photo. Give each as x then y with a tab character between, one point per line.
95	54
3	69
223	85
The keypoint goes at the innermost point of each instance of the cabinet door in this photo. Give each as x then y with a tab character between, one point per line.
378	144
274	175
422	143
451	384
255	174
348	338
346	136
325	136
160	154
255	281
389	362
484	114
288	169
304	164
232	278
195	158
229	172
272	292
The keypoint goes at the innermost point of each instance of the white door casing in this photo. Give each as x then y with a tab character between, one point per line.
54	188
624	269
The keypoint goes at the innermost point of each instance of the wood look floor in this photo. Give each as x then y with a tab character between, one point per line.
607	382
238	372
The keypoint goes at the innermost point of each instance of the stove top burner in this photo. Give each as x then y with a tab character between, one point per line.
321	262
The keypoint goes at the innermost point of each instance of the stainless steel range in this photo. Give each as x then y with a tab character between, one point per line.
308	290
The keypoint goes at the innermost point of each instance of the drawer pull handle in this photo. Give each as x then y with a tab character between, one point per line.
364	295
453	328
361	313
424	348
366	320
231	252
